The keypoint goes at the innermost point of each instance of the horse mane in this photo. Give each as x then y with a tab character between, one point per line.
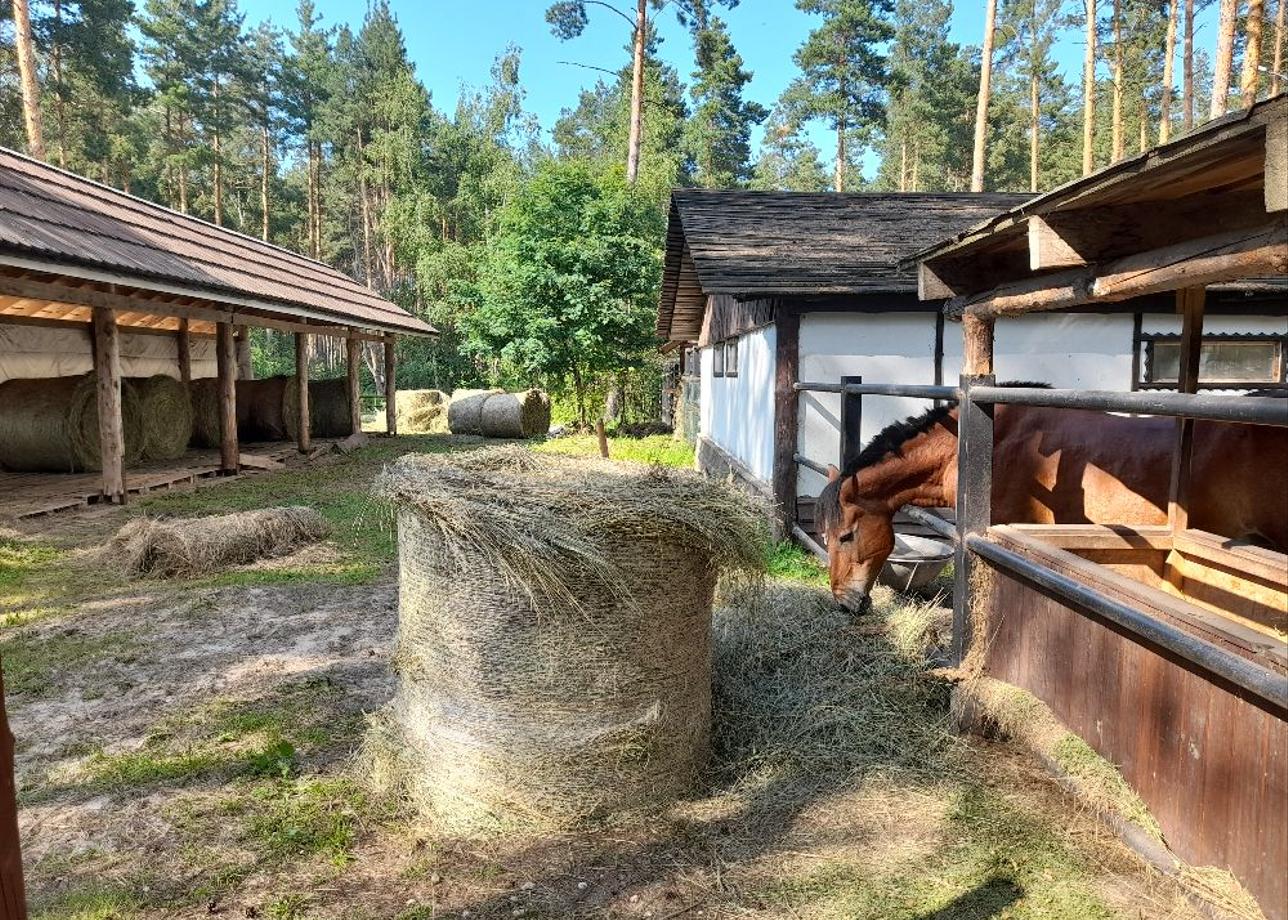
889	441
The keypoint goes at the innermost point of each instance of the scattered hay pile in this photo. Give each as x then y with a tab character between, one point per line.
189	547
516	415
554	644
166	409
465	413
51	424
421	411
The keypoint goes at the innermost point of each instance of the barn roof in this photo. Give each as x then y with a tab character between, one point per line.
770	244
56	225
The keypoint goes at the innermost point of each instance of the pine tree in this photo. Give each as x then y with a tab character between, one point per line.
788	162
1223	63
983	98
307	75
1035	24
718	134
25	51
844	75
264	64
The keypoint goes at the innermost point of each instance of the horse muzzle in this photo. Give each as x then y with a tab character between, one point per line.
857	603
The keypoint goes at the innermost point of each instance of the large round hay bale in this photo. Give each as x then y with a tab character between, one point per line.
516	415
553	641
261	409
204	395
166	409
328	409
465	412
50	424
421	411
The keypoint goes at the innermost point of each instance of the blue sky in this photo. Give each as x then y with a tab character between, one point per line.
454	43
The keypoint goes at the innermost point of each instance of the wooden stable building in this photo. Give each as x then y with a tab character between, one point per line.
1163	647
93	278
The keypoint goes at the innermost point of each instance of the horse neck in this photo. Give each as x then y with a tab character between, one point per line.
923	473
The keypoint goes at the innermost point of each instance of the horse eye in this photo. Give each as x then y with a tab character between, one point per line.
845	537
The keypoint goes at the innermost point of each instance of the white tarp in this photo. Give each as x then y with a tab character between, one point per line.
57	351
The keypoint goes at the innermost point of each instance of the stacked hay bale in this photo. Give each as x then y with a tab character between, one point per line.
51	424
421	411
328	409
166	409
515	415
204	396
554	635
465	412
261	414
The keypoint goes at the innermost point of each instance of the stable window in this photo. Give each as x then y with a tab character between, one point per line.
731	358
1233	361
718	360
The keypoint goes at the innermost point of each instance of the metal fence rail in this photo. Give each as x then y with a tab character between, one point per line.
1255	410
911	390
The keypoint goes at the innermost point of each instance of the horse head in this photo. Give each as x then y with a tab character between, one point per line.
859	535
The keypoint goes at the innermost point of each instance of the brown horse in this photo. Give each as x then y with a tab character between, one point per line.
1053	466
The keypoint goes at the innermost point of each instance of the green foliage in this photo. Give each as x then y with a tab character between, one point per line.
719	131
789	561
662	450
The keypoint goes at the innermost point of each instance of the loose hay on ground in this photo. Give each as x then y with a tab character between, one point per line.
554	641
190	547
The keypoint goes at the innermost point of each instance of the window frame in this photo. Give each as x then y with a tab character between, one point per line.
731	350
718	360
1148	340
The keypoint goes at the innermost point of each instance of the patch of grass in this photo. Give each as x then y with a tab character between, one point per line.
296	818
661	449
287	907
31	661
95	903
331	573
793	563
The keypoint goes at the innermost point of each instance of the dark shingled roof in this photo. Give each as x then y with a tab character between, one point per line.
50	217
766	244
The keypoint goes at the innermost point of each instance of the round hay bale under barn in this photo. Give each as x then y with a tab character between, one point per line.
516	415
204	395
50	424
421	411
553	644
328	409
166	409
261	409
465	412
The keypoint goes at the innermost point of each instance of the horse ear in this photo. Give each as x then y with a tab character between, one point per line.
833	474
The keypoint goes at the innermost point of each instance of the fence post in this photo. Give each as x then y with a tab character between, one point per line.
974	500
851	422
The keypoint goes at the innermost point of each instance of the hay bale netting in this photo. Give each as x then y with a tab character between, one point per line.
261	409
166	408
465	412
188	547
50	424
553	648
328	409
421	411
516	415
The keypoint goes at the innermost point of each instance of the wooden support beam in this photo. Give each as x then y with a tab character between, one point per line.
303	419
930	286
13	894
851	423
1189	303
226	355
1276	185
786	409
1048	248
974	505
183	341
111	429
353	356
977	343
391	387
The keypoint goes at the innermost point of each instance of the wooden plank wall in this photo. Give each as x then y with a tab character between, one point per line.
727	316
1209	761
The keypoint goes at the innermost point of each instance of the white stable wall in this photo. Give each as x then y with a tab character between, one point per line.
737	413
1085	351
56	351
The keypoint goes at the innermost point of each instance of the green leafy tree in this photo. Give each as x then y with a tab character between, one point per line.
718	133
571	281
788	161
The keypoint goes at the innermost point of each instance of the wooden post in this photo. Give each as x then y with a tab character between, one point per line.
1189	303
977	344
787	326
353	355
851	423
391	387
245	371
303	436
184	344
602	437
13	898
111	430
974	501
226	355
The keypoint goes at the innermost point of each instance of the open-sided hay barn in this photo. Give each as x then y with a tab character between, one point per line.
765	290
95	280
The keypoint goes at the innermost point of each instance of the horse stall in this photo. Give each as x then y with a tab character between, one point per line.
99	290
766	292
1163	646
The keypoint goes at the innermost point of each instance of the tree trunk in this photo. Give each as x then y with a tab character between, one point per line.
1252	53
26	53
60	102
1187	89
1223	64
1169	56
982	100
1144	121
1117	116
637	93
1035	117
365	207
903	165
218	157
579	387
1089	93
264	165
1278	61
916	163
839	172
